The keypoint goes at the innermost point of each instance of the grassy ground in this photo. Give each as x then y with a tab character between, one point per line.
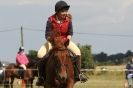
111	78
103	80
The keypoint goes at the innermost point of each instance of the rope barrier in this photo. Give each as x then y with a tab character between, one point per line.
84	69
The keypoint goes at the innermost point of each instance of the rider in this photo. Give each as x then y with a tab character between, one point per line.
61	21
21	59
129	72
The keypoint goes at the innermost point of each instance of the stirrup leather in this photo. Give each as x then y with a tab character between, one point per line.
83	77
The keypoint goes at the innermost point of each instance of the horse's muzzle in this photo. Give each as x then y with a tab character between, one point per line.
62	77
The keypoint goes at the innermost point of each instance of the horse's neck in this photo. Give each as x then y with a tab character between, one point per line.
59	48
29	65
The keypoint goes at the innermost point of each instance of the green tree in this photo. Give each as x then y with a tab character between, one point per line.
32	54
102	57
87	58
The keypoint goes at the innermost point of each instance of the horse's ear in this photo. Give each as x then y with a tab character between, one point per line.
67	42
55	33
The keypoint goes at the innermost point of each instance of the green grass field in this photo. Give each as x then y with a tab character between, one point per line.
103	80
111	78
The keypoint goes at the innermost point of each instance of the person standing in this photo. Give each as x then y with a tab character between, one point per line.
129	73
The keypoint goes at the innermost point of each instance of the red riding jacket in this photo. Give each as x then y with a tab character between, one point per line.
65	27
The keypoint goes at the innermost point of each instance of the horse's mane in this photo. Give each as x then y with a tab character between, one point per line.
57	40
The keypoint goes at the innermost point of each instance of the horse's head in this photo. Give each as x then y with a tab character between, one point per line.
61	59
57	40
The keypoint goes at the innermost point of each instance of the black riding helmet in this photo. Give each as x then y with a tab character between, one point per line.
21	48
61	5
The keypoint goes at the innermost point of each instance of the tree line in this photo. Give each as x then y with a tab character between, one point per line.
90	60
114	59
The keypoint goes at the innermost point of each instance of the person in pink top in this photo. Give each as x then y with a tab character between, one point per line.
21	58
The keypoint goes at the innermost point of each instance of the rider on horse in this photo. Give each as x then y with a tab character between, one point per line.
21	59
62	21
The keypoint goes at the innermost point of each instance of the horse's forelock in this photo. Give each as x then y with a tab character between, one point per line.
59	43
55	33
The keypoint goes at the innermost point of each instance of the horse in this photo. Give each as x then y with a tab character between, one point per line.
34	66
59	67
12	71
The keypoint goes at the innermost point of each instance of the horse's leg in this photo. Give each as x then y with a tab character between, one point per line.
11	83
29	78
23	84
31	82
6	84
70	83
28	83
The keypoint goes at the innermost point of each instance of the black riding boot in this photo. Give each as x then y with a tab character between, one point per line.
41	70
21	72
78	75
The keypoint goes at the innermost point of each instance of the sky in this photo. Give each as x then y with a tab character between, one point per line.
106	25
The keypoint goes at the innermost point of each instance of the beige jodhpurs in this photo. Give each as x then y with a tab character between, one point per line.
23	66
47	46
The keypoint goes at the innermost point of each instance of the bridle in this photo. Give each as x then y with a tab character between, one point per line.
59	64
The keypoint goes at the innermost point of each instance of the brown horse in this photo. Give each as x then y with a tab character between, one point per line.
12	71
59	67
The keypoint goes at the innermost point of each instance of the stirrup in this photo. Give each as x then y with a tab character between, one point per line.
83	78
40	82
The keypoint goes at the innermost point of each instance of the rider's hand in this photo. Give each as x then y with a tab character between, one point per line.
48	38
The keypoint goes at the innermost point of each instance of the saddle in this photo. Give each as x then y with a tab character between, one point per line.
72	56
20	71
